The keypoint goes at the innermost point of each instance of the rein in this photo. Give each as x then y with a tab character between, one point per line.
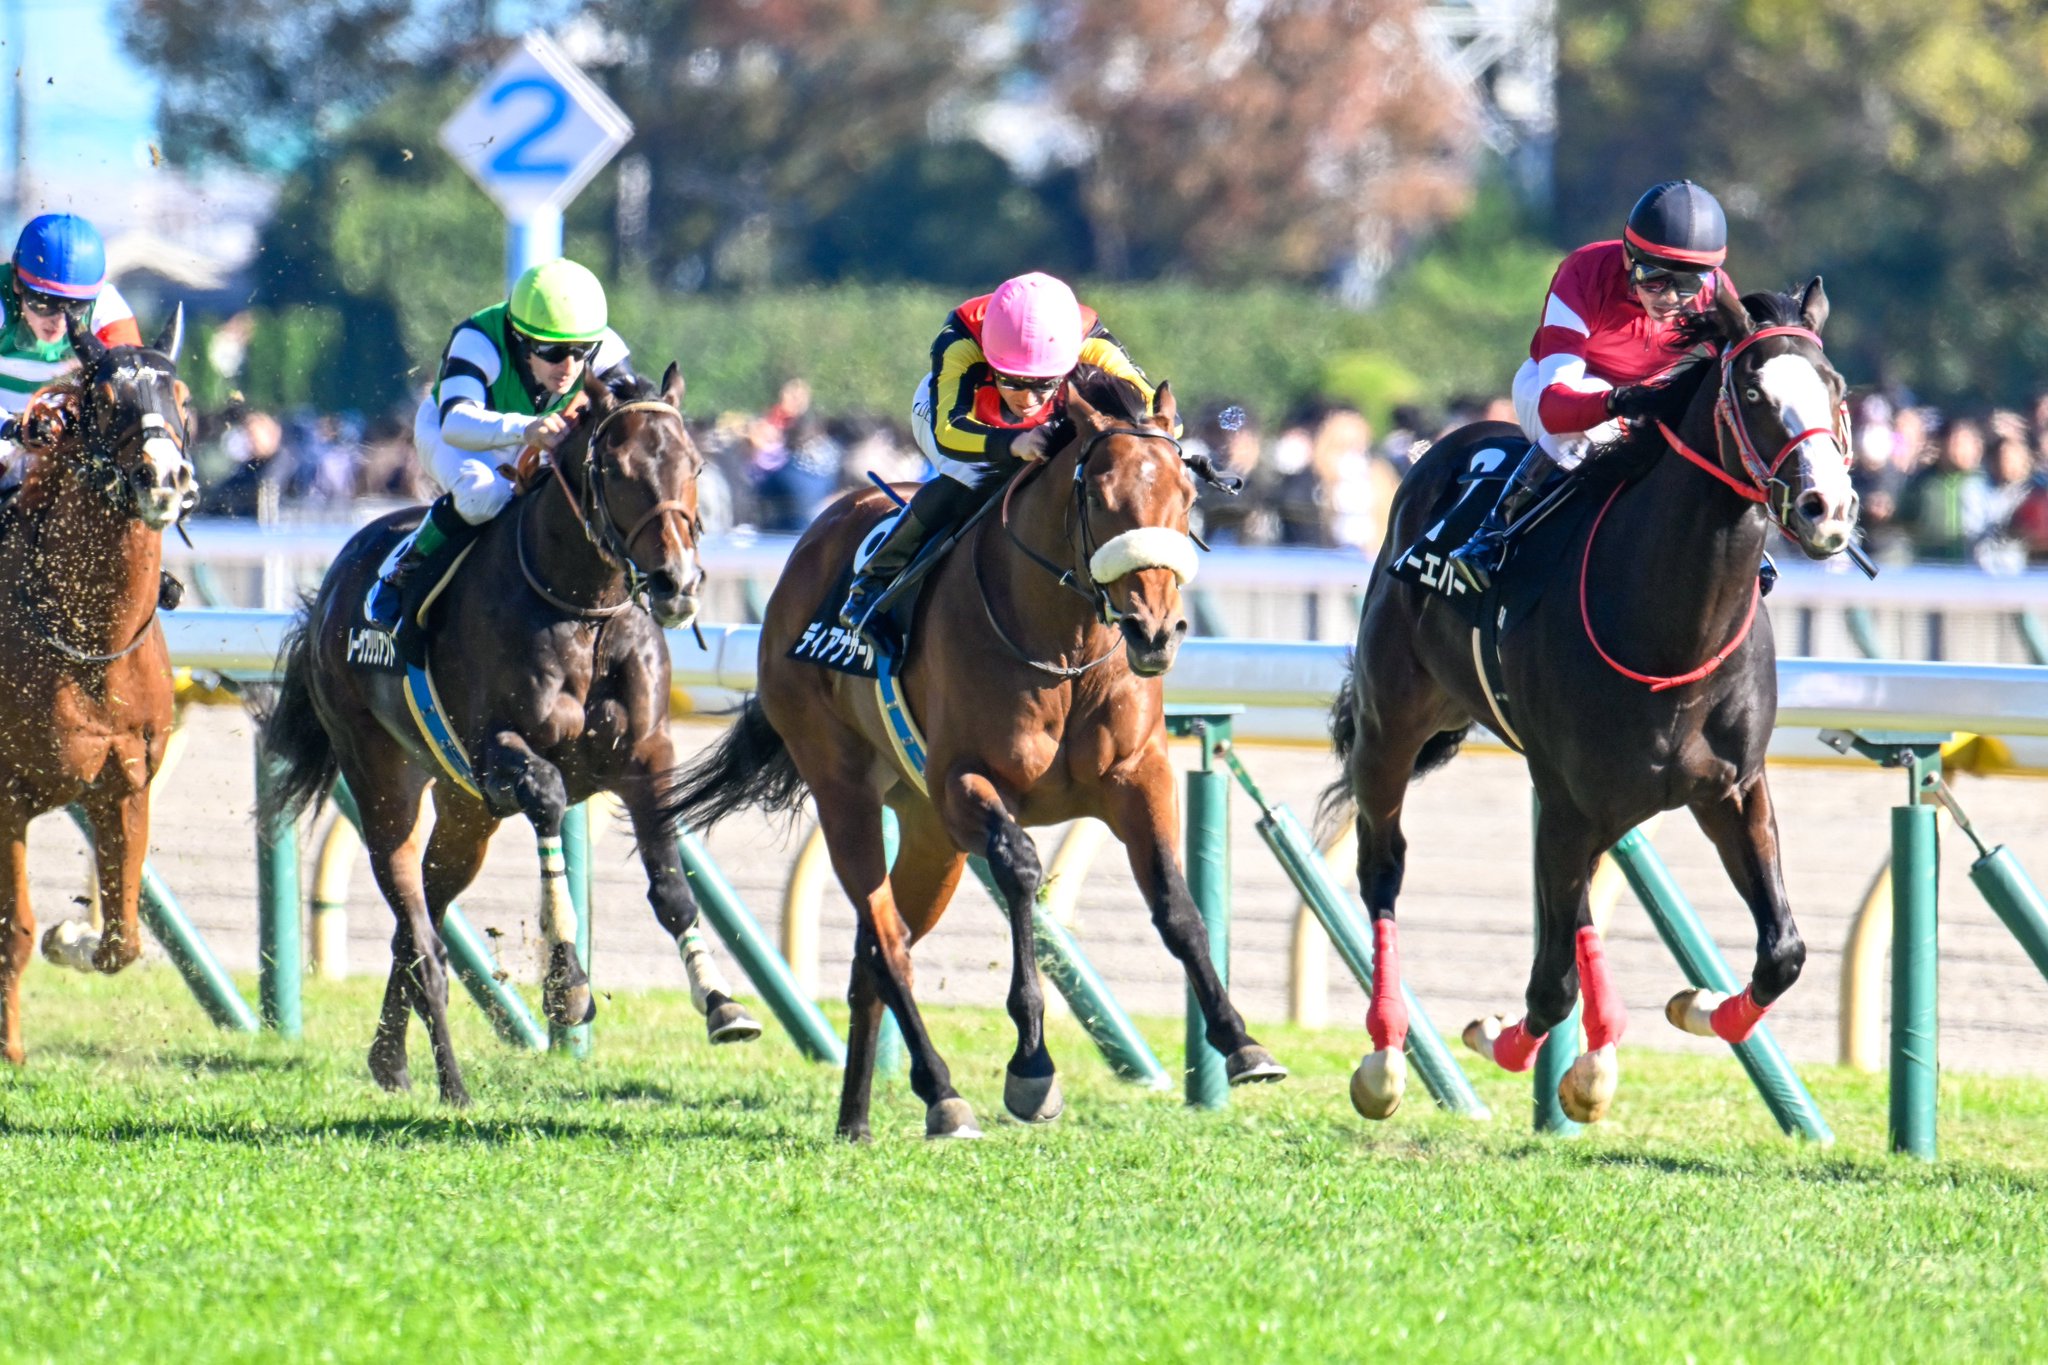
1763	487
1071	578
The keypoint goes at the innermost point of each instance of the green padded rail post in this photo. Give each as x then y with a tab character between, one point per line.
1700	959
280	910
208	981
1208	872
2008	890
475	965
1916	864
748	943
574	1039
892	1059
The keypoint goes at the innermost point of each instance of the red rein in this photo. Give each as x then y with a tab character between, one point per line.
1723	413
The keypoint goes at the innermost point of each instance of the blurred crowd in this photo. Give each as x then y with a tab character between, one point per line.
1941	487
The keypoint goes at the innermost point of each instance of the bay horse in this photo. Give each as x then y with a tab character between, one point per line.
549	673
1034	671
1642	678
85	677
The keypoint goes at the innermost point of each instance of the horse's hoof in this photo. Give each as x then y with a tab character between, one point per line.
1033	1099
1379	1082
1251	1064
455	1096
1480	1033
857	1135
953	1118
1586	1090
389	1073
1693	1011
72	943
565	995
730	1023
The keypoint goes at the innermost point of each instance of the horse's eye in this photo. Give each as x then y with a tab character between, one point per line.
1752	395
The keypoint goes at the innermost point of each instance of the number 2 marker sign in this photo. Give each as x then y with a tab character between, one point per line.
536	131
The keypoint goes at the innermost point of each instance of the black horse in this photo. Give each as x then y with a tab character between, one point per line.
550	676
1638	673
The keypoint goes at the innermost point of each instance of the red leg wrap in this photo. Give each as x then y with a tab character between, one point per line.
1605	1017
1386	1018
1516	1048
1735	1018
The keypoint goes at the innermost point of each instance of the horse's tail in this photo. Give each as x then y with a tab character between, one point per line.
750	766
294	741
1335	805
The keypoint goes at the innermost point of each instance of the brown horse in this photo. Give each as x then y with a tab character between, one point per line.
550	675
1039	702
84	673
1638	669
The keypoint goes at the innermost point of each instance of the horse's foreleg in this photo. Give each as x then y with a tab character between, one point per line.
1569	955
851	817
17	932
668	892
977	817
1139	808
1744	831
512	774
120	832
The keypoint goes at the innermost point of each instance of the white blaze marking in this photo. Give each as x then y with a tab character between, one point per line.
1793	384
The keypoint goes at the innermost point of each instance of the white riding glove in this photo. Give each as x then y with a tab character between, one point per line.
479	491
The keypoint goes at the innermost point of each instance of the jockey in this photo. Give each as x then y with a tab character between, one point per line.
506	376
59	272
988	405
1610	323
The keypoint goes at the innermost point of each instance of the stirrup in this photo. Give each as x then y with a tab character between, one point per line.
860	603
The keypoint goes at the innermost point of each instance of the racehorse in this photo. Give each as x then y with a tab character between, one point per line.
85	679
1034	672
1642	678
548	672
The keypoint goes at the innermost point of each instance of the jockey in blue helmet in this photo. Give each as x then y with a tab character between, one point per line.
59	271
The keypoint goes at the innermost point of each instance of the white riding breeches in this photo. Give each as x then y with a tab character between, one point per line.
1565	448
481	492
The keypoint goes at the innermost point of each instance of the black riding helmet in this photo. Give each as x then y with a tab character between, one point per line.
1676	227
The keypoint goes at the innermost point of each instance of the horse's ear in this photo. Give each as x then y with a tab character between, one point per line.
89	348
1813	306
1735	320
672	386
172	338
1081	411
1165	411
596	392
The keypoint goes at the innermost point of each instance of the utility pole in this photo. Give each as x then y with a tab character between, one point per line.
17	42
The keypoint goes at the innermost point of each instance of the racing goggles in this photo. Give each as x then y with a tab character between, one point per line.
53	305
1654	279
1036	387
555	352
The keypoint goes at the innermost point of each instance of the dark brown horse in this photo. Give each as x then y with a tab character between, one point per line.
85	679
1037	703
554	682
1642	678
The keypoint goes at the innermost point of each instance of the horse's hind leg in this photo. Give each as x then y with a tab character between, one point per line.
1139	807
1745	833
1568	954
726	1020
17	931
514	776
977	817
394	833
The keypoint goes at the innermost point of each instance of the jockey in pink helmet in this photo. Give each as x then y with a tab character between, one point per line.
998	369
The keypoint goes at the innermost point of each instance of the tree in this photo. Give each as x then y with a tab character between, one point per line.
1894	146
1239	140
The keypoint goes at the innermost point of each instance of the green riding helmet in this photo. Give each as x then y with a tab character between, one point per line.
558	300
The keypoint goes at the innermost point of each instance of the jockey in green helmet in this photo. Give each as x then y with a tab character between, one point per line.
506	377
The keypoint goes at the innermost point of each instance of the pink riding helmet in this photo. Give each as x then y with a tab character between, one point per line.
1033	328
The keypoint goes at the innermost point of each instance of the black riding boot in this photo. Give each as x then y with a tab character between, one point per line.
934	510
416	566
1479	559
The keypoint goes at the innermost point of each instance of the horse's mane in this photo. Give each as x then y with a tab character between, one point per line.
1111	394
1702	335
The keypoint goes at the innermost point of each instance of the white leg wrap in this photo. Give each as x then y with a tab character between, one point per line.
71	943
557	910
702	967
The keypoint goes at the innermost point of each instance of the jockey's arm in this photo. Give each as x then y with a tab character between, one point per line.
957	365
1570	399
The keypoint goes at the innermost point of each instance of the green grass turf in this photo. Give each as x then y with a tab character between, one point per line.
169	1192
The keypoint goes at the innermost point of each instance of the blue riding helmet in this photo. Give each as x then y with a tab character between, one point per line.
61	254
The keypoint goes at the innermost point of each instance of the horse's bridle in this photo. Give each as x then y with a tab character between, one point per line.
1078	579
593	513
1764	484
